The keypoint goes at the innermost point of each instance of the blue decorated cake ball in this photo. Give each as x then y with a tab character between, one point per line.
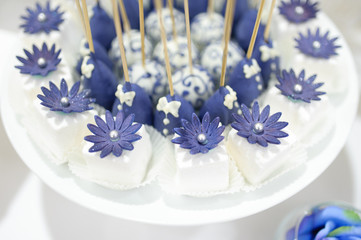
102	26
246	80
268	58
177	52
132	46
195	7
151	78
223	103
240	9
207	28
132	99
100	80
244	29
195	87
99	51
152	24
169	112
211	58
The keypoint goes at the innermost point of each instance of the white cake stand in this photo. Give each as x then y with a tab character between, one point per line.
150	205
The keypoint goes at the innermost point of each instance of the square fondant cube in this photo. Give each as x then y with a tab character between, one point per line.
202	172
128	169
257	163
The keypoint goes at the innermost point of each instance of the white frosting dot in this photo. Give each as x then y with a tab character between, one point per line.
165	131
165	121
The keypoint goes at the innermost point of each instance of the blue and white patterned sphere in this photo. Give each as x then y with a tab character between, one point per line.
207	28
152	78
211	58
152	24
195	87
177	52
133	49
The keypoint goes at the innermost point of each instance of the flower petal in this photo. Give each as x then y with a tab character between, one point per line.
119	120
264	115
213	125
117	150
110	120
101	124
63	88
205	122
252	139
196	123
272	119
187	125
131	137
278	125
98	147
74	89
271	139
246	113
96	130
255	111
94	139
126	145
127	122
106	151
261	141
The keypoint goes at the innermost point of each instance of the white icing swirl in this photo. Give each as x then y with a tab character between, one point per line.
125	97
230	98
251	70
87	69
168	107
268	53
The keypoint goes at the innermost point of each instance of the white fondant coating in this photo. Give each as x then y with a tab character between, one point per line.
230	99
258	163
251	70
58	134
195	87
87	69
132	46
125	97
152	24
303	118
168	107
128	169
177	52
202	172
67	38
152	78
207	28
211	58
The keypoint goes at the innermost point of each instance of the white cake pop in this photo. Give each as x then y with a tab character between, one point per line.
178	53
132	45
207	28
211	58
151	78
152	24
195	87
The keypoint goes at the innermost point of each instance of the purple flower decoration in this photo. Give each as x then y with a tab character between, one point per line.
42	19
199	137
41	62
63	101
259	128
299	88
317	45
113	136
298	11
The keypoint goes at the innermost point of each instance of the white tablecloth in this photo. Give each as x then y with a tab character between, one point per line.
30	210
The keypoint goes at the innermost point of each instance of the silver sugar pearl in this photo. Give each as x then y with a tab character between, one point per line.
299	10
42	17
258	128
64	101
298	88
316	44
42	62
202	138
114	135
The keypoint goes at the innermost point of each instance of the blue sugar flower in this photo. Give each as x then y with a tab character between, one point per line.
42	19
63	101
41	62
199	137
298	11
113	136
299	88
259	128
317	45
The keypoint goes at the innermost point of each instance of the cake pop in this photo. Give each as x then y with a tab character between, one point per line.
171	108
102	26
194	83
246	78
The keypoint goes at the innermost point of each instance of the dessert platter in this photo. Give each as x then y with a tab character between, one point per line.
181	114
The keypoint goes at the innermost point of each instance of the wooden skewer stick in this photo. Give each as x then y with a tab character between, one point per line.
189	41
164	41
269	20
87	26
118	29
225	24
255	30
80	12
226	37
170	5
210	8
124	16
141	27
